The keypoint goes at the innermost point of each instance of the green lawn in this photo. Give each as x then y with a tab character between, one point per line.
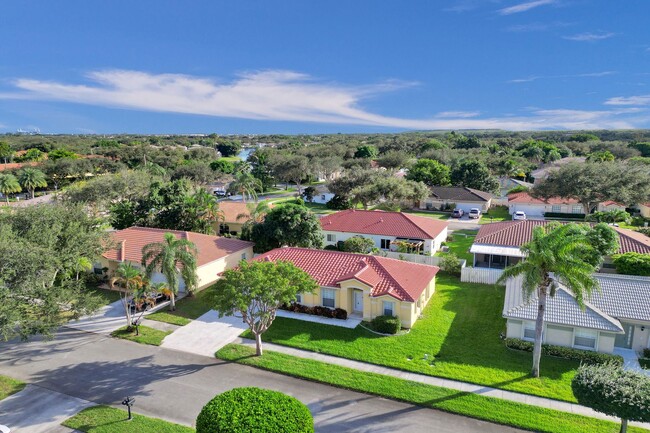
147	335
459	331
9	386
190	307
463	240
429	214
476	406
107	296
495	214
105	419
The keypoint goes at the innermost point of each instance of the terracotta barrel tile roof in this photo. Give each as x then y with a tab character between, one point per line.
402	280
524	197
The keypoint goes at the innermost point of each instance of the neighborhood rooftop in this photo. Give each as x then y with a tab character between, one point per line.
524	197
383	223
129	243
459	193
402	280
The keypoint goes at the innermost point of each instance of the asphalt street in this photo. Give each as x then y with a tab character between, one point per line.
175	385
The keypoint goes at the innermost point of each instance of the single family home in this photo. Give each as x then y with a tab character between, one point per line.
321	194
615	317
610	205
457	197
423	235
215	254
508	183
538	207
546	169
365	286
644	209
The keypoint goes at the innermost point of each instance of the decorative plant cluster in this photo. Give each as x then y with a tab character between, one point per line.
584	356
386	324
333	313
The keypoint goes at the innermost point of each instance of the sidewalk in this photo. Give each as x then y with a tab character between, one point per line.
437	381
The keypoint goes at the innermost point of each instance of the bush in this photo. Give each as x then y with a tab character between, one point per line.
331	248
645	363
358	244
646	353
632	264
584	356
340	313
339	203
386	324
317	310
254	410
612	216
450	263
565	216
639	221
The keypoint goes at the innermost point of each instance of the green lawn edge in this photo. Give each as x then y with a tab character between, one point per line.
490	409
9	386
167	317
147	335
106	419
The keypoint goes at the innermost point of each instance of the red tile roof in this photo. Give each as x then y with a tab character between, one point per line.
611	203
517	233
402	280
16	165
210	248
524	197
383	223
232	209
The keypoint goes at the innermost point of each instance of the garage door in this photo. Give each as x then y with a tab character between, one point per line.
158	278
536	211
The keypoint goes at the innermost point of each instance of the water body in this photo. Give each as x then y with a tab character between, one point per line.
245	152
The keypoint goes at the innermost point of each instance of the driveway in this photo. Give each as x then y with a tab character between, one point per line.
39	410
105	321
205	335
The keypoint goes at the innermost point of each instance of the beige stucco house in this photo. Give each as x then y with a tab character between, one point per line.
215	254
644	209
365	286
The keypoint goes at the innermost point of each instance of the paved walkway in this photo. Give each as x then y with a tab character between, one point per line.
161	326
630	360
39	410
437	381
350	323
107	320
205	335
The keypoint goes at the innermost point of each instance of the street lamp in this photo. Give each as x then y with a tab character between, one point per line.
128	402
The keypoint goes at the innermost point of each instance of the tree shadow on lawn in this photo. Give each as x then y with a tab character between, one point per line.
284	329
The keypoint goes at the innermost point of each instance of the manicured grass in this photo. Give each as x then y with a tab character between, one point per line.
105	419
190	307
495	214
9	386
147	335
168	317
106	295
476	406
232	159
429	214
461	244
459	331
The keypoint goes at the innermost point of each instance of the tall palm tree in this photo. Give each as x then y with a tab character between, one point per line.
204	208
130	281
9	185
559	250
32	178
255	215
172	257
247	185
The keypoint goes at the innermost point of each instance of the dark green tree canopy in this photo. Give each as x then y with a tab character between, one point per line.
290	225
229	148
429	172
474	174
366	151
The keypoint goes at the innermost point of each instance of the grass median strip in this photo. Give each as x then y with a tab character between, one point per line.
147	335
476	406
9	386
105	419
167	317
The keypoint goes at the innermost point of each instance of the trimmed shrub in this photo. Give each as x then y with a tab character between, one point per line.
565	216
450	263
632	264
317	310
584	356
386	324
340	313
253	409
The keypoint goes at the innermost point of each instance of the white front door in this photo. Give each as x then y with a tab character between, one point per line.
358	300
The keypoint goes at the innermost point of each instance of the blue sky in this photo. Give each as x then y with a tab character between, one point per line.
323	66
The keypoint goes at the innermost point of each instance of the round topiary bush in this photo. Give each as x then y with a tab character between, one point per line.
254	410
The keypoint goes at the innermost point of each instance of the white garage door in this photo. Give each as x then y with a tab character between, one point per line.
529	210
158	278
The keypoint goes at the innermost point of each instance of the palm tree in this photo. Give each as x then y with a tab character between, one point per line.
559	250
256	213
130	280
31	178
204	208
172	257
9	185
246	184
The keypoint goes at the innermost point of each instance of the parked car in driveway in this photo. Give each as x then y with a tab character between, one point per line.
475	212
457	213
4	429
519	215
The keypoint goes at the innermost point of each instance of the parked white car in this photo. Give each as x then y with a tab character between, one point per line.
519	215
4	429
475	213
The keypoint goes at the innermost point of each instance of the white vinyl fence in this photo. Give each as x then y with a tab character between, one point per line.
415	258
480	275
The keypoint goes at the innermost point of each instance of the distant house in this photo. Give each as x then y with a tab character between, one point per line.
508	183
615	317
363	285
235	215
215	254
537	207
497	245
322	194
387	229
610	205
460	197
644	209
543	172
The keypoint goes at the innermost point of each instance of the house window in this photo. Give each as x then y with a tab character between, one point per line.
389	308
529	331
385	244
329	297
576	209
331	238
585	339
299	298
243	256
556	208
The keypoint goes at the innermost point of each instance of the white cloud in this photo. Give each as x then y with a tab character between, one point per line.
539	77
590	37
291	96
523	7
629	100
537	27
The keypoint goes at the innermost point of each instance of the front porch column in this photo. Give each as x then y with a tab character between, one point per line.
490	261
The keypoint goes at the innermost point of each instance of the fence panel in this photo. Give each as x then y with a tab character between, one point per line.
480	275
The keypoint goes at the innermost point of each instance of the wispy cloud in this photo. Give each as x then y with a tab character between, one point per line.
537	27
629	100
290	96
540	77
590	37
523	7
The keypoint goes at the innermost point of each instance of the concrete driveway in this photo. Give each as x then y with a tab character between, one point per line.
105	321
205	335
39	410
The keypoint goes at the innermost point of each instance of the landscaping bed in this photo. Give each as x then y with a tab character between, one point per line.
147	335
9	386
105	419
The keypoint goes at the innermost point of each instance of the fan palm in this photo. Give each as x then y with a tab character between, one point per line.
247	185
172	257
130	280
31	178
9	185
559	250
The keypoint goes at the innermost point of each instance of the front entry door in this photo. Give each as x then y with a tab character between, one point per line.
358	300
625	340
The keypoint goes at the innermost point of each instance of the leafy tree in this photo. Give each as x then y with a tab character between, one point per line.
31	155
611	216
632	264
292	168
559	250
291	225
366	151
9	185
257	289
429	172
614	391
600	156
474	174
451	264
394	159
31	178
644	148
173	258
5	151
338	203
229	148
359	244
584	137
222	166
309	193
196	171
130	282
61	153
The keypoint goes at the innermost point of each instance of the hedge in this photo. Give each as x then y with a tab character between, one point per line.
253	409
333	313
566	216
386	324
632	264
585	356
644	363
